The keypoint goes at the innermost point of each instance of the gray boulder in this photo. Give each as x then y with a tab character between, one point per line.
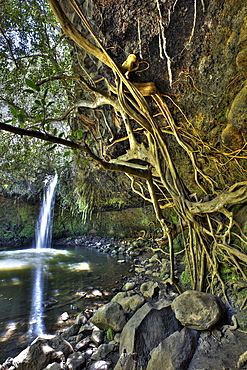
151	324
198	310
103	351
42	352
76	361
175	352
111	316
128	301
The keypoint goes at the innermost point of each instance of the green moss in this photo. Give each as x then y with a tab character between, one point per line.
185	279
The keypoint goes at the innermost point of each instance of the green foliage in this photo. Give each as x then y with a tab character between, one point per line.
109	334
32	49
185	279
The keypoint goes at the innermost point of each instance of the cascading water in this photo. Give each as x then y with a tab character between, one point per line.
44	224
42	241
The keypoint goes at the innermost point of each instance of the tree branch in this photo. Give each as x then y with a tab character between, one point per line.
143	173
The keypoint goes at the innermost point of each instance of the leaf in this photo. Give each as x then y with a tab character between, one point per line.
29	91
45	93
79	133
31	84
37	102
65	154
14	111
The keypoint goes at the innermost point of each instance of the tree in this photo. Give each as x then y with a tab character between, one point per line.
143	120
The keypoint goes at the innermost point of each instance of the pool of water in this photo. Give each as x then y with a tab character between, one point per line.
36	288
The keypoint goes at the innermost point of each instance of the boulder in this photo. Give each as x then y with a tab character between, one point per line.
149	325
197	310
76	361
129	286
71	331
175	352
129	302
82	344
111	316
103	351
42	352
98	336
149	289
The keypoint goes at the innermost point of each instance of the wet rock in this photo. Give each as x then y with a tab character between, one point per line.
34	357
76	361
81	319
71	331
82	344
197	310
111	316
129	286
149	325
64	316
149	289
98	336
100	365
175	352
129	302
54	366
103	351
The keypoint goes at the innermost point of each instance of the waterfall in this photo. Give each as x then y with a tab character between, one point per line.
42	241
44	224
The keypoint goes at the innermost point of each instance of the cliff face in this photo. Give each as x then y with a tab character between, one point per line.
195	53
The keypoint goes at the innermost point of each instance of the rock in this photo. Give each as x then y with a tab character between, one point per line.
149	289
149	325
242	360
76	361
64	316
103	351
71	331
175	352
34	357
154	258
197	310
129	303
83	344
54	366
129	286
111	316
100	365
98	336
231	137
81	319
237	115
139	269
86	329
96	293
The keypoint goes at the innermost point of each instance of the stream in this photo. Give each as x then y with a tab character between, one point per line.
36	288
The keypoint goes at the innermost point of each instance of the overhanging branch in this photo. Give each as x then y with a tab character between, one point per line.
142	173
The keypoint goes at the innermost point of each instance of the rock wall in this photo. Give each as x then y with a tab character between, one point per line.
18	221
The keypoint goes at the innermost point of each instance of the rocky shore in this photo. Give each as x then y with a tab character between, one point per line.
146	325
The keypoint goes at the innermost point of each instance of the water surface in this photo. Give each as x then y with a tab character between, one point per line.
37	287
